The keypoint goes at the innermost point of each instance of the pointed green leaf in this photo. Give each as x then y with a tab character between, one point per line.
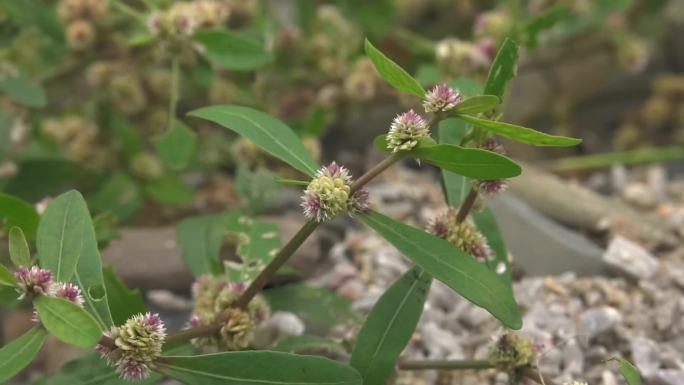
6	277
177	146
18	248
471	162
259	243
270	134
486	223
392	73
258	368
88	276
123	302
477	104
389	327
17	354
119	194
521	134
200	239
233	51
459	271
67	321
170	189
22	90
628	371
60	235
307	343
503	68
17	212
452	131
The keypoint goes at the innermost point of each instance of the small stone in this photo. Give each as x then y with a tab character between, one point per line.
670	377
630	259
641	195
597	321
646	356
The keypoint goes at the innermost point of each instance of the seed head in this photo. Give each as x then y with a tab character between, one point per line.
406	130
137	344
512	351
462	235
441	98
33	281
329	194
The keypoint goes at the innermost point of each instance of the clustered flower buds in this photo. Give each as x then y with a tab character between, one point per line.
80	17
457	57
33	281
213	299
137	344
68	291
329	194
462	235
512	351
183	18
441	98
406	130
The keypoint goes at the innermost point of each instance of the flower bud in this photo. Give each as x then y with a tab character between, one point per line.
237	331
33	281
462	235
512	351
441	98
490	187
68	291
406	130
137	344
80	34
329	194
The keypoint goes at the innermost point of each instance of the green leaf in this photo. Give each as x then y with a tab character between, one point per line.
471	162
177	146
118	194
123	302
468	87
17	212
637	156
459	271
543	22
392	73
307	343
486	223
502	69
233	51
200	239
259	241
88	276
293	182
521	134
6	277
60	235
270	134
67	321
169	189
22	90
258	368
90	370
17	354
18	247
320	307
628	371
389	327
452	131
257	188
477	104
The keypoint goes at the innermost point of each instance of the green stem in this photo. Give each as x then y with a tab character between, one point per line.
466	206
445	364
283	255
128	10
173	97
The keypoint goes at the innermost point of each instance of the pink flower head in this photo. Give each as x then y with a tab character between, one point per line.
132	370
490	144
491	187
152	322
441	98
328	194
334	170
68	291
481	251
359	202
34	280
406	131
194	321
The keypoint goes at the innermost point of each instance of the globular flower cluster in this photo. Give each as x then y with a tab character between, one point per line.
214	297
183	18
137	344
458	57
329	194
441	98
80	17
406	131
462	235
512	351
33	281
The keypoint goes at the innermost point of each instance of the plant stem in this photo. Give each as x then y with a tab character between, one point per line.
128	10
376	170
198	331
173	97
466	206
445	364
283	255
